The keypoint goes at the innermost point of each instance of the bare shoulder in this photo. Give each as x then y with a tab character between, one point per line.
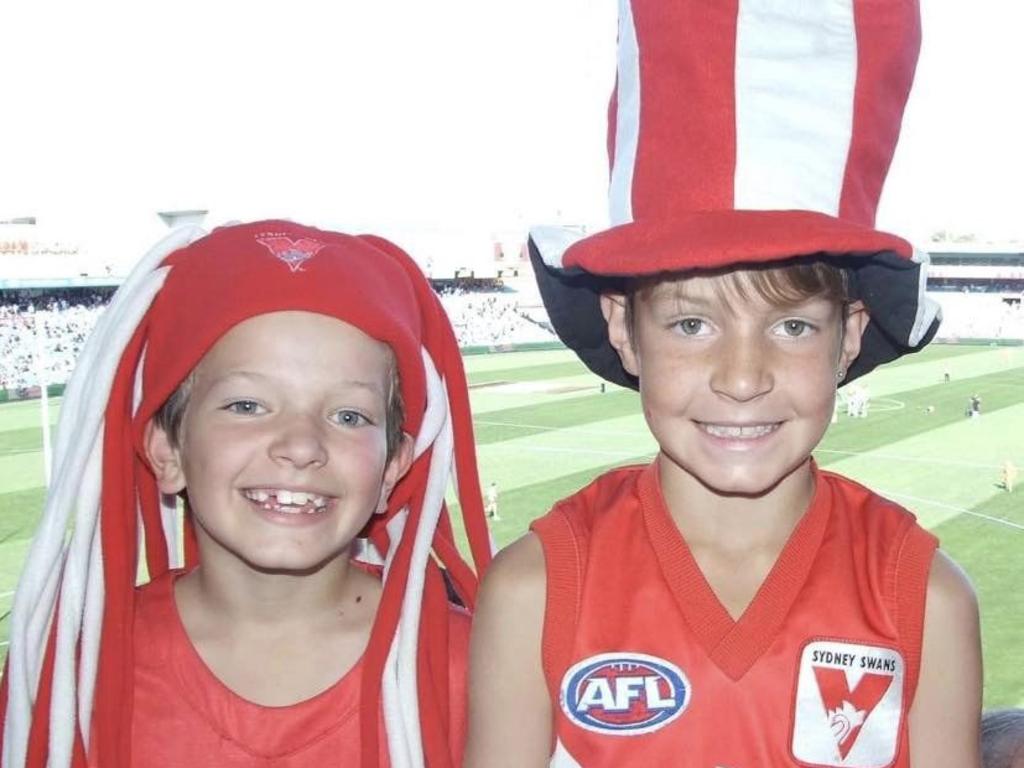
945	716
510	611
510	711
950	593
517	571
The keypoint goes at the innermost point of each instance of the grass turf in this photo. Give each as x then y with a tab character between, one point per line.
548	439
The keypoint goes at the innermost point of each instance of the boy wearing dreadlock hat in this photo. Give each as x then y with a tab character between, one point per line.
731	604
302	390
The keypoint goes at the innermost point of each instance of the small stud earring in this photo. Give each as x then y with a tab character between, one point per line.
840	374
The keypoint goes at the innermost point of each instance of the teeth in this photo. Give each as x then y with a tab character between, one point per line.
281	498
743	432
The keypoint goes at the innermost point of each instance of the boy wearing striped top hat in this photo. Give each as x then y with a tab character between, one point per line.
303	392
731	604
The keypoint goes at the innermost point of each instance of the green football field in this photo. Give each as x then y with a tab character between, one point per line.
544	429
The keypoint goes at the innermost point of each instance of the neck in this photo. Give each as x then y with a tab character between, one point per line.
735	522
237	594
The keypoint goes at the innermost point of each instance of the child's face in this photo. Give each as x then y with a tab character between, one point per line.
283	404
736	392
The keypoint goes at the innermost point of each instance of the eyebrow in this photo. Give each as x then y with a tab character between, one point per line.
678	297
372	386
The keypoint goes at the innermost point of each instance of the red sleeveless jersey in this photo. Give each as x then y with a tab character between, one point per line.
646	667
184	716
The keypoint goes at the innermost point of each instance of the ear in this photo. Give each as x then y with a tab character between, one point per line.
165	460
856	322
613	307
395	470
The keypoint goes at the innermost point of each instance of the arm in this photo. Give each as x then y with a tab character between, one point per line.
509	708
945	716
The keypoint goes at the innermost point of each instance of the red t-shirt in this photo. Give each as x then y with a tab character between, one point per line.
184	716
646	667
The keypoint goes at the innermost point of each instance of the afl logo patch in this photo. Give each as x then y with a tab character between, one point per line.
624	694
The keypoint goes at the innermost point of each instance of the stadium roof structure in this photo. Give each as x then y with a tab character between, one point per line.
448	253
978	264
987	257
178	217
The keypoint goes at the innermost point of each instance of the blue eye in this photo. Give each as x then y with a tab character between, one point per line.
691	326
794	328
349	418
244	407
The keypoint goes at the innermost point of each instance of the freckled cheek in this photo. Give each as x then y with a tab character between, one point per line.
812	388
668	387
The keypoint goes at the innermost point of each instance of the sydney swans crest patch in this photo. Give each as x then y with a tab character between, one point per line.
292	252
849	705
624	694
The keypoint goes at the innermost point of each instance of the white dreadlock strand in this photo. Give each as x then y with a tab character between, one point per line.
167	503
409	621
85	536
75	577
77	478
398	739
46	558
401	686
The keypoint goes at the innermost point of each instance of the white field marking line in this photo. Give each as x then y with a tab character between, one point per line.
885	404
917	459
961	510
6	594
604	432
18	452
627	432
592	451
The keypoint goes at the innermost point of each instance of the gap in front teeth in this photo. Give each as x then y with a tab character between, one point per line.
282	500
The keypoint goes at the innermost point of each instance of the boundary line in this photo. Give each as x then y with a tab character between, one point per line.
961	510
636	433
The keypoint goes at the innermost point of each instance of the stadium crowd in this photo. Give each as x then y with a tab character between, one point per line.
967	315
491	319
56	327
60	323
488	317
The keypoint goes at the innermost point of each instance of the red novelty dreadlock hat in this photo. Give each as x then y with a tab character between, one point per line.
745	132
68	689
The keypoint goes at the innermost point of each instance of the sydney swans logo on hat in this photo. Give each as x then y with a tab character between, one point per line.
292	252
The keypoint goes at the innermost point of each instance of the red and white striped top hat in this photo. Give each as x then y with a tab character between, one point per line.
745	132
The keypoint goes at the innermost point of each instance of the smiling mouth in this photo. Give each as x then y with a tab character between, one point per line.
739	431
287	502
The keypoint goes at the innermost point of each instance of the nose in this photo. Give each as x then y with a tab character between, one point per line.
741	369
300	442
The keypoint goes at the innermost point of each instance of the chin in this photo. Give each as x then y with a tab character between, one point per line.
745	487
752	481
294	563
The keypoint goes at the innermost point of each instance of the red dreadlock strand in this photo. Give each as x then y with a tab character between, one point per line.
433	673
384	628
112	707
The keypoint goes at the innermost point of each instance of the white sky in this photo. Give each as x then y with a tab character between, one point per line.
446	119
